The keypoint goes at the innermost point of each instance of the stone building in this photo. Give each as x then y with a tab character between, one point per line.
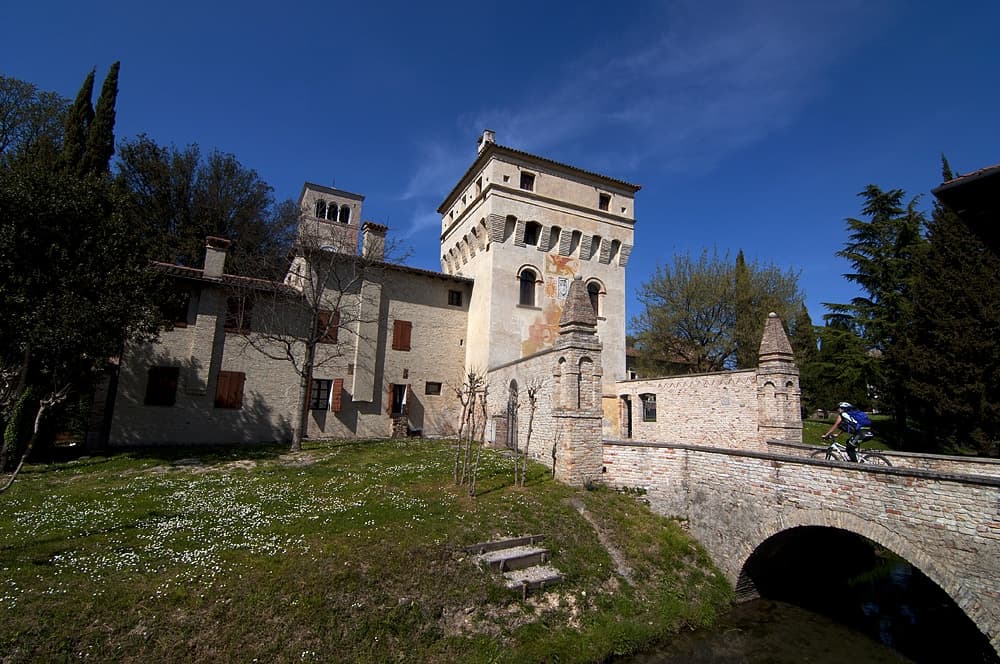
531	294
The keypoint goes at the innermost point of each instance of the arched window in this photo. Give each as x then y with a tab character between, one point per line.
321	209
345	214
532	231
331	211
527	279
594	293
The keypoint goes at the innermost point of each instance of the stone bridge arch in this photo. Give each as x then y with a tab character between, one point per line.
876	532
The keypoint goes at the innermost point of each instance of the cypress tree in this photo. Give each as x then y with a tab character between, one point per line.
746	327
101	137
81	115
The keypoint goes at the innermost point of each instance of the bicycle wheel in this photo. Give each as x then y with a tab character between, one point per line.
823	453
874	458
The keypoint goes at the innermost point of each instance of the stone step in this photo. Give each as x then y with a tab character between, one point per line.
513	558
496	545
536	577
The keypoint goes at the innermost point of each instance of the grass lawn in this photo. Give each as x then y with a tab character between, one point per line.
344	552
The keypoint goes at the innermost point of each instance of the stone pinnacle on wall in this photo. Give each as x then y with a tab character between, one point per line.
578	314
774	346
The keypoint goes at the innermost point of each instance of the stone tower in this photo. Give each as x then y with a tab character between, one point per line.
524	227
778	393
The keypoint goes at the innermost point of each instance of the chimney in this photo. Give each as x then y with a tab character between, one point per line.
373	241
489	136
215	256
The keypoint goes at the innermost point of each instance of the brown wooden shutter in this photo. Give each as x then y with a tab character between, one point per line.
405	340
229	389
401	334
388	400
338	387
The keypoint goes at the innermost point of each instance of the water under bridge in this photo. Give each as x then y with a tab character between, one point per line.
940	514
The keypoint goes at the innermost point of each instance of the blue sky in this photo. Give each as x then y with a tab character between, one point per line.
750	125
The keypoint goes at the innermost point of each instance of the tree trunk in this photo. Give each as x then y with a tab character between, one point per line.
43	406
305	390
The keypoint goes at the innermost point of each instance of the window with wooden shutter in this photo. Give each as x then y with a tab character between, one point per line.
161	386
229	389
239	312
327	323
401	334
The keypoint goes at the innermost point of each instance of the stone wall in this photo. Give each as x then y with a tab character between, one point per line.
701	409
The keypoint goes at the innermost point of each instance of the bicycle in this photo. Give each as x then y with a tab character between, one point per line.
838	452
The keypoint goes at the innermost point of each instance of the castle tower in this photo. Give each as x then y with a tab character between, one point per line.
524	227
778	395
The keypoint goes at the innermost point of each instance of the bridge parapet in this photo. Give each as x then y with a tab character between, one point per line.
945	524
940	463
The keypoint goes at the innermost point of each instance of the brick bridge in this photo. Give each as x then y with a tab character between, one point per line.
940	514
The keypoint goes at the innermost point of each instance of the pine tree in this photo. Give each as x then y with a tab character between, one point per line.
955	352
81	115
883	251
101	135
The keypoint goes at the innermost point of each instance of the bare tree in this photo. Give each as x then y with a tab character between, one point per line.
45	404
326	310
533	388
471	393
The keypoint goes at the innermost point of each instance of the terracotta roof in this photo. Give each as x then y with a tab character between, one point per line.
495	148
198	274
974	175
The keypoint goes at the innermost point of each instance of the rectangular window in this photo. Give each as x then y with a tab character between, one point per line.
239	313
401	334
229	390
455	298
161	386
175	309
319	398
527	181
327	323
432	388
648	407
604	202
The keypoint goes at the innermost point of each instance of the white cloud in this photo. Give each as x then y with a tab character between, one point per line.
703	80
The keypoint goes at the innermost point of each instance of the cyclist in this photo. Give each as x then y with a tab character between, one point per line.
846	421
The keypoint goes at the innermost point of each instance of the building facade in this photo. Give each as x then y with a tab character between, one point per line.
531	294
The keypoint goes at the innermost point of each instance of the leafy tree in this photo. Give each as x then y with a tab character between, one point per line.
31	122
955	352
690	315
188	198
101	136
882	250
76	286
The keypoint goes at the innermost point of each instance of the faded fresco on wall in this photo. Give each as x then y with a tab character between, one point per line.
543	328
